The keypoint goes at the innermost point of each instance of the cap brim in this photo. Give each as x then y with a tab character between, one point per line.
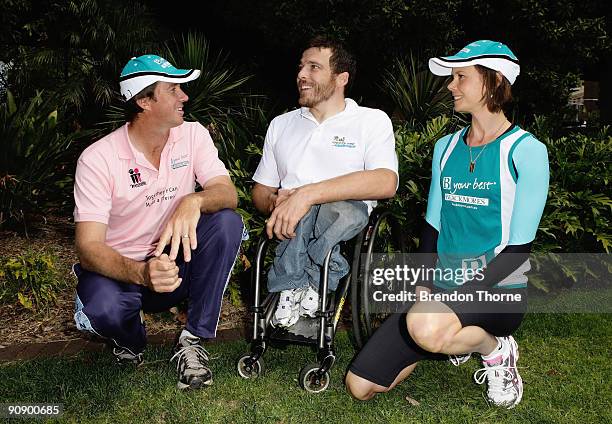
191	75
437	67
135	83
443	66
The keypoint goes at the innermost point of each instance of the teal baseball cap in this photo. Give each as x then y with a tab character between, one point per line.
142	71
490	54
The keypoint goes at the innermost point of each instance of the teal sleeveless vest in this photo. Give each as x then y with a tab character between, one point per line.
477	206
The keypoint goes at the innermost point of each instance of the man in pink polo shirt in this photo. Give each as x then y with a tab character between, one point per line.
145	239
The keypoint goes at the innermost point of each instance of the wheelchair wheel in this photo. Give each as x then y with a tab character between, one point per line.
384	242
312	381
248	369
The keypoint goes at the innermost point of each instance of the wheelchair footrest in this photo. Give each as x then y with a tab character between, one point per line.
303	331
259	309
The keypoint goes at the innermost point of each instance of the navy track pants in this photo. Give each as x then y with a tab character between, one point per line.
111	309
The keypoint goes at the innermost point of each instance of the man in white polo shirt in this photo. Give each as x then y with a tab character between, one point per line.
134	196
323	165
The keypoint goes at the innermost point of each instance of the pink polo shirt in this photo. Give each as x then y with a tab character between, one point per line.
117	186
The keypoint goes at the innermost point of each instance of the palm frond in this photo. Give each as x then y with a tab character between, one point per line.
418	95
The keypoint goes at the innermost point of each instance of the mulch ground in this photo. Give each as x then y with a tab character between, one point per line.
25	334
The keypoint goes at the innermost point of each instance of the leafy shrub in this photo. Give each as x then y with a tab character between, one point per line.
30	279
219	98
32	148
241	149
418	95
415	150
577	213
75	49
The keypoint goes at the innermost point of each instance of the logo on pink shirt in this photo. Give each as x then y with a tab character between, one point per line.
136	178
179	162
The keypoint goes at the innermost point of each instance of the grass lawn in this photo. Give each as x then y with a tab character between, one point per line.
565	364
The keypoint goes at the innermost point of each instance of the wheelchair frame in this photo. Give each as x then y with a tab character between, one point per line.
315	377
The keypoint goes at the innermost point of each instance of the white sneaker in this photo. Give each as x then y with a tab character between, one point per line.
309	303
505	386
457	360
287	310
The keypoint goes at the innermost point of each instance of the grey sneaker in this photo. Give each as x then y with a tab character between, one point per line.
505	386
191	363
125	356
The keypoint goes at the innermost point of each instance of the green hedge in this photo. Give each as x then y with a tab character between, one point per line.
30	279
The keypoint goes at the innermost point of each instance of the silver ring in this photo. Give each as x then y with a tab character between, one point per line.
185	236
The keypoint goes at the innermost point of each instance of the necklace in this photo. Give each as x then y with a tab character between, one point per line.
473	161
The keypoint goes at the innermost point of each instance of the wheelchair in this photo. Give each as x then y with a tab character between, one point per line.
382	230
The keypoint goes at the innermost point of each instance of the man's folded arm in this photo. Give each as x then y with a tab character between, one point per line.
264	197
218	193
96	256
372	184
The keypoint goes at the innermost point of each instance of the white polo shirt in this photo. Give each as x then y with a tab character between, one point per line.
116	185
299	151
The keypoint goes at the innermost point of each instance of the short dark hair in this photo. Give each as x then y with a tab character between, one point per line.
341	60
131	108
496	94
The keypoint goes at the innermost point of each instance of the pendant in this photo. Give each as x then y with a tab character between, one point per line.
472	165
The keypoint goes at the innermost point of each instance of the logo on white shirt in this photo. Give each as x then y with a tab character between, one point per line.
341	142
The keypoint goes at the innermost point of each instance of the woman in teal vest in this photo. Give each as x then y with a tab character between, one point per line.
488	190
